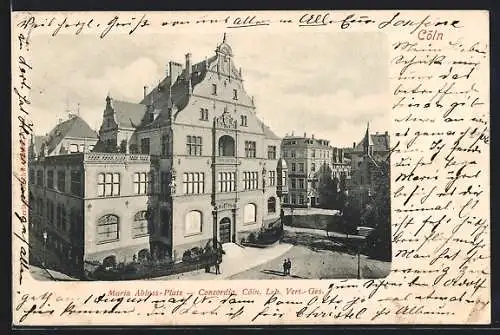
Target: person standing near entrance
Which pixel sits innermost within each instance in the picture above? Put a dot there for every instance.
(289, 265)
(219, 253)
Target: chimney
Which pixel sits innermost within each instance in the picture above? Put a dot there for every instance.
(188, 65)
(292, 133)
(305, 134)
(386, 132)
(175, 69)
(353, 145)
(312, 136)
(376, 133)
(145, 91)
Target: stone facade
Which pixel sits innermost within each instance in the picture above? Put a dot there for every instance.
(366, 156)
(310, 161)
(189, 164)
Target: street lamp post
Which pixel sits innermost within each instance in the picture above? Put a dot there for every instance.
(44, 247)
(359, 263)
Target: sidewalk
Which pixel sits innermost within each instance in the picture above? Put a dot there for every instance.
(311, 211)
(323, 233)
(41, 274)
(237, 259)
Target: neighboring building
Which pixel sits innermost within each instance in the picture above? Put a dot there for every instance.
(69, 136)
(189, 164)
(310, 162)
(365, 160)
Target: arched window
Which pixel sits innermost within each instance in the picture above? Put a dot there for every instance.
(226, 146)
(109, 262)
(107, 229)
(143, 255)
(140, 226)
(193, 223)
(250, 213)
(271, 205)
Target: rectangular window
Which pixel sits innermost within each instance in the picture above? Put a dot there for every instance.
(313, 167)
(272, 178)
(235, 94)
(250, 149)
(165, 149)
(194, 145)
(226, 182)
(285, 154)
(61, 181)
(164, 187)
(301, 167)
(294, 183)
(73, 148)
(294, 199)
(301, 183)
(204, 114)
(76, 182)
(81, 148)
(271, 152)
(251, 180)
(145, 146)
(214, 89)
(50, 179)
(193, 183)
(294, 167)
(301, 199)
(141, 181)
(292, 154)
(108, 184)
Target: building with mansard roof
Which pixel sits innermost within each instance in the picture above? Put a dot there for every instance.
(68, 136)
(189, 164)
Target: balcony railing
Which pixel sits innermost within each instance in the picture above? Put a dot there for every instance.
(116, 157)
(225, 160)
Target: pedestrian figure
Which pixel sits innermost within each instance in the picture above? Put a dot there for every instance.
(289, 266)
(217, 269)
(219, 253)
(285, 267)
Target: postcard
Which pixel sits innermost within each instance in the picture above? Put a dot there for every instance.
(250, 168)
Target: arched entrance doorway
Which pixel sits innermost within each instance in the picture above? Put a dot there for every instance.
(225, 230)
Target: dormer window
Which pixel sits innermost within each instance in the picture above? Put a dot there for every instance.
(214, 89)
(235, 94)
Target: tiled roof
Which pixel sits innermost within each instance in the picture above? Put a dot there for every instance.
(380, 142)
(164, 97)
(128, 114)
(74, 127)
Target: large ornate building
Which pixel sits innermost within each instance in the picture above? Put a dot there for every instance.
(189, 164)
(311, 162)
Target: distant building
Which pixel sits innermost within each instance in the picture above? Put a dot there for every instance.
(311, 162)
(366, 156)
(189, 164)
(68, 136)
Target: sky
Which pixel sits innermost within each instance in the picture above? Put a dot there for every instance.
(326, 84)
